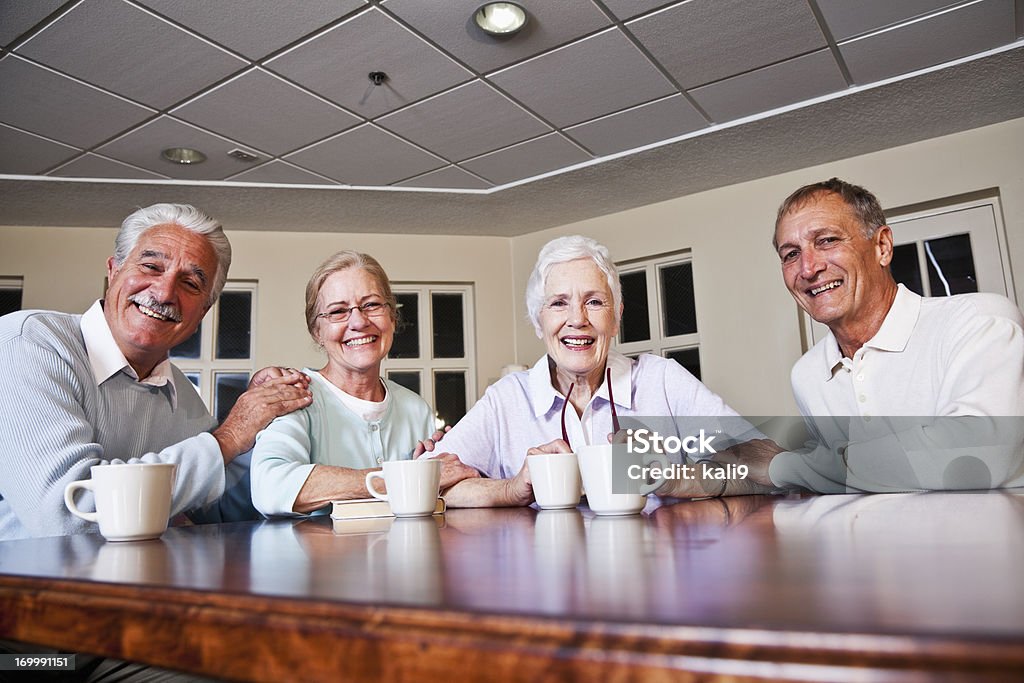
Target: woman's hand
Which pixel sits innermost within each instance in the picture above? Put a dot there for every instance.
(427, 445)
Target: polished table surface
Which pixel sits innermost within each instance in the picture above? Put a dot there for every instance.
(880, 587)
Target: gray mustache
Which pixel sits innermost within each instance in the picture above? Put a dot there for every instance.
(166, 310)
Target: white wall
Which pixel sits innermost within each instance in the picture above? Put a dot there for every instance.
(748, 322)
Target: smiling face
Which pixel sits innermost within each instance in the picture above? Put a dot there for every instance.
(156, 299)
(836, 273)
(356, 347)
(578, 320)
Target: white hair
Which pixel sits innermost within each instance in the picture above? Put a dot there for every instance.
(562, 250)
(184, 216)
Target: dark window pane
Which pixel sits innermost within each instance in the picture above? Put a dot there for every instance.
(688, 358)
(450, 396)
(410, 379)
(636, 322)
(951, 265)
(407, 333)
(905, 268)
(446, 315)
(234, 325)
(10, 300)
(190, 347)
(228, 387)
(193, 377)
(680, 311)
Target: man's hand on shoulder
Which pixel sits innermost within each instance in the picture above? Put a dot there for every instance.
(272, 392)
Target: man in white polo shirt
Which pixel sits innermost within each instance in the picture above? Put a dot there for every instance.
(905, 392)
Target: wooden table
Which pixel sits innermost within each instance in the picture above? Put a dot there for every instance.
(837, 588)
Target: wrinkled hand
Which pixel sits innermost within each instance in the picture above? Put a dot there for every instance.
(427, 445)
(273, 372)
(272, 397)
(756, 454)
(556, 446)
(454, 470)
(519, 489)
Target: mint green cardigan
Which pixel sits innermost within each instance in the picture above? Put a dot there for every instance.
(328, 433)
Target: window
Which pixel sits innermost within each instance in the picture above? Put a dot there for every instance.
(434, 349)
(659, 310)
(218, 358)
(10, 294)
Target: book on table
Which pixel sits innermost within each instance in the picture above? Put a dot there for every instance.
(368, 508)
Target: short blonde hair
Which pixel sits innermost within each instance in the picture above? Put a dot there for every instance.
(343, 260)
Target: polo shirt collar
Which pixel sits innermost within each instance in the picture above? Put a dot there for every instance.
(543, 395)
(893, 335)
(106, 358)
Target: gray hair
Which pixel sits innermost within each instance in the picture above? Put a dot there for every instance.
(343, 260)
(865, 206)
(184, 216)
(562, 250)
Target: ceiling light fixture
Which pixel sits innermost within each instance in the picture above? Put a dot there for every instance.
(500, 18)
(183, 155)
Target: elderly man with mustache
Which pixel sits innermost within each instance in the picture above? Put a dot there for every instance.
(81, 390)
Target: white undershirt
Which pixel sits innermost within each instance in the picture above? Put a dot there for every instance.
(371, 411)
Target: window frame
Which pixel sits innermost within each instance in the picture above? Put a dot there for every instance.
(14, 282)
(659, 344)
(207, 365)
(426, 364)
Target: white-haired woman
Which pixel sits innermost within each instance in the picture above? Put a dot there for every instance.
(357, 420)
(574, 301)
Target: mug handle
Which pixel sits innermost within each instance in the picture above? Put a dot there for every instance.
(370, 476)
(69, 500)
(662, 461)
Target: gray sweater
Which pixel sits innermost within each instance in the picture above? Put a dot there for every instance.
(55, 423)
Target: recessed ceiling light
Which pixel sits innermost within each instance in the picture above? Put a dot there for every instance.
(500, 18)
(183, 155)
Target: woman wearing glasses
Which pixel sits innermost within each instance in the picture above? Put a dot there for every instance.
(575, 391)
(357, 419)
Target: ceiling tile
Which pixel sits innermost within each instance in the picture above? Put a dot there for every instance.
(450, 23)
(527, 159)
(451, 177)
(947, 36)
(27, 154)
(846, 19)
(774, 86)
(93, 166)
(638, 126)
(18, 16)
(142, 147)
(122, 48)
(595, 76)
(42, 101)
(336, 63)
(254, 29)
(252, 107)
(627, 9)
(704, 40)
(489, 121)
(366, 156)
(277, 171)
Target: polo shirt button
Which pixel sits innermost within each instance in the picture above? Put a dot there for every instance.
(373, 427)
(380, 460)
(860, 377)
(863, 398)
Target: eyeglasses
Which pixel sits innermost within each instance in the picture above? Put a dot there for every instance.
(611, 402)
(371, 309)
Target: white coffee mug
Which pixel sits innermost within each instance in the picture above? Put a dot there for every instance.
(595, 463)
(413, 486)
(556, 480)
(133, 501)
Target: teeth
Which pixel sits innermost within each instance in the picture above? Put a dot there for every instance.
(824, 288)
(151, 313)
(577, 342)
(361, 341)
